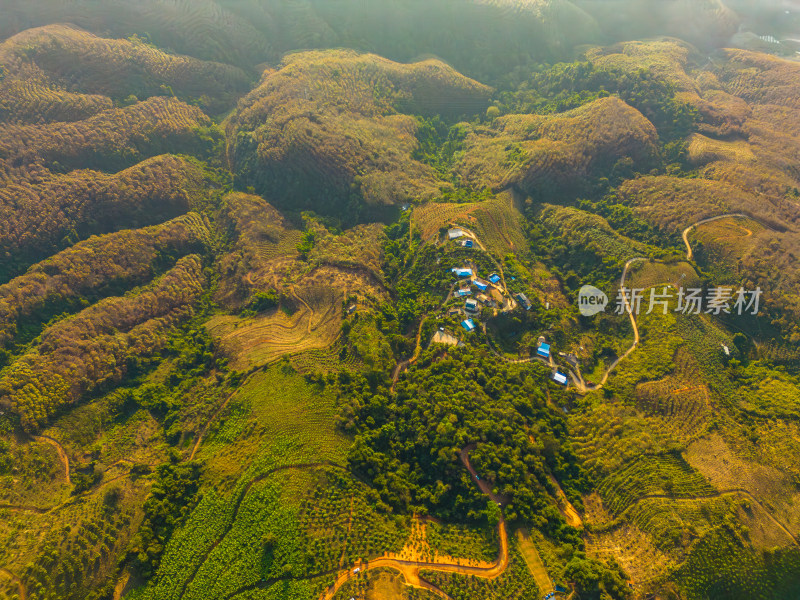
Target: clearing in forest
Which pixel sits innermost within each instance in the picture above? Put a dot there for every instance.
(534, 562)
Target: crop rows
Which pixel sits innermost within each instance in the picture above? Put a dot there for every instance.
(722, 565)
(515, 583)
(633, 549)
(666, 474)
(684, 407)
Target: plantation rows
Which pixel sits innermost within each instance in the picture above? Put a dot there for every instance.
(273, 538)
(674, 525)
(95, 265)
(634, 550)
(24, 100)
(460, 541)
(430, 216)
(684, 407)
(115, 138)
(499, 226)
(325, 360)
(665, 474)
(515, 583)
(77, 556)
(344, 525)
(722, 566)
(60, 210)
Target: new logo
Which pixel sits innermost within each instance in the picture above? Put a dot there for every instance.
(591, 301)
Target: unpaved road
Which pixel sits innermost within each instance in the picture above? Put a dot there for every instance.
(62, 455)
(411, 569)
(689, 251)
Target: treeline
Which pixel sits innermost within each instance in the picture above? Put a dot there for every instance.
(100, 344)
(565, 86)
(60, 210)
(98, 267)
(407, 443)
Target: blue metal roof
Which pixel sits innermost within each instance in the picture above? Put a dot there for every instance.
(494, 278)
(468, 324)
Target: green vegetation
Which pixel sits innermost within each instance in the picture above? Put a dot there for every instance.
(407, 442)
(222, 261)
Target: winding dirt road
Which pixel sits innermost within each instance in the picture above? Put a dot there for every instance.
(62, 455)
(211, 419)
(689, 251)
(411, 569)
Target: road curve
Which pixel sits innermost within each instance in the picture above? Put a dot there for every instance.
(411, 569)
(62, 455)
(685, 235)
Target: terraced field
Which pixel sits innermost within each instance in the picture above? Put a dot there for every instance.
(497, 222)
(667, 475)
(260, 340)
(633, 549)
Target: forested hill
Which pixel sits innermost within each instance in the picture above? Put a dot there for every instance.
(289, 300)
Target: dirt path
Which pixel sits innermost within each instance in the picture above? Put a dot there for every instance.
(234, 514)
(411, 569)
(403, 365)
(23, 592)
(62, 455)
(122, 583)
(565, 506)
(685, 235)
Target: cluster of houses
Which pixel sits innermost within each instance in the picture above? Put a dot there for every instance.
(488, 293)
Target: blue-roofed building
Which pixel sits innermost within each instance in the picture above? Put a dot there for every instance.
(494, 278)
(468, 244)
(468, 325)
(461, 273)
(480, 284)
(560, 378)
(464, 292)
(543, 350)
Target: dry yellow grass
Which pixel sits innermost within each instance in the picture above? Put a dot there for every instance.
(429, 217)
(703, 150)
(534, 562)
(735, 236)
(774, 489)
(650, 274)
(633, 550)
(543, 154)
(256, 341)
(497, 222)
